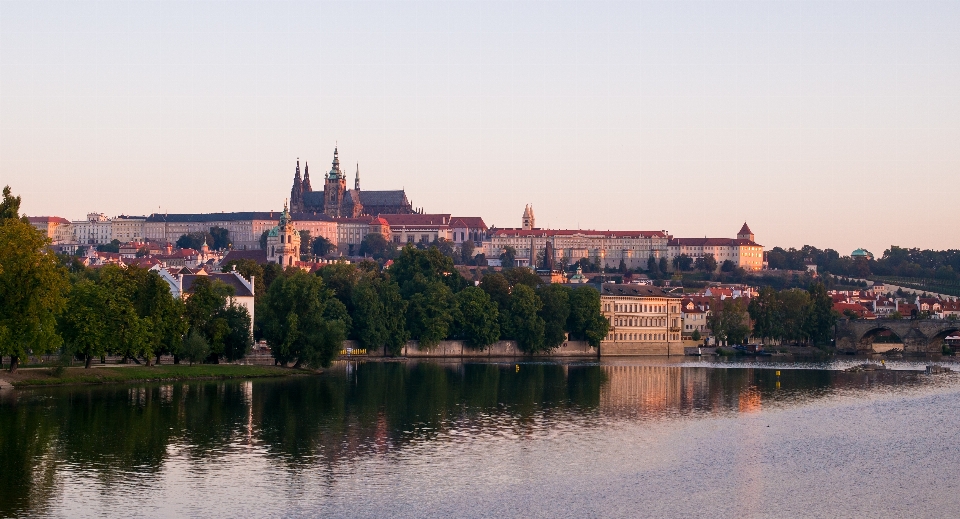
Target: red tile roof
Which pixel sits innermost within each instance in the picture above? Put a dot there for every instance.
(573, 232)
(47, 219)
(416, 219)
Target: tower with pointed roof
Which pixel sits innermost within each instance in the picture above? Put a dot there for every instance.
(306, 180)
(529, 222)
(356, 181)
(334, 188)
(296, 192)
(745, 233)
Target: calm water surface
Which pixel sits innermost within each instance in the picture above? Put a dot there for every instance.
(645, 438)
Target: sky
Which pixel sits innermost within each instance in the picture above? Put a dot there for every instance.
(833, 123)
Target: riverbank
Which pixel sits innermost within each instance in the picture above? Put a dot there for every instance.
(43, 377)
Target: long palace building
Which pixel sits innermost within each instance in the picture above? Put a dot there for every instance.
(634, 248)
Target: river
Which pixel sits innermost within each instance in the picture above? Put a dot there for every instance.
(638, 438)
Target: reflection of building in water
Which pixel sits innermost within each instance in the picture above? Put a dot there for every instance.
(750, 400)
(644, 389)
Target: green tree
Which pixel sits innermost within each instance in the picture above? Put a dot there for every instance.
(161, 312)
(33, 288)
(696, 335)
(477, 318)
(83, 324)
(663, 265)
(430, 313)
(729, 321)
(195, 240)
(263, 239)
(508, 258)
(555, 313)
(523, 322)
(586, 321)
(682, 263)
(304, 322)
(369, 324)
(113, 246)
(498, 288)
(765, 311)
(522, 276)
(305, 242)
(394, 316)
(320, 246)
(220, 238)
(652, 268)
(706, 263)
(10, 206)
(224, 325)
(822, 317)
(728, 266)
(195, 347)
(467, 252)
(377, 247)
(430, 263)
(794, 312)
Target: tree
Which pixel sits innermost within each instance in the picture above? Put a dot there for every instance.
(729, 321)
(663, 264)
(498, 288)
(224, 325)
(523, 322)
(304, 322)
(822, 317)
(394, 316)
(728, 266)
(622, 267)
(320, 246)
(477, 318)
(251, 270)
(305, 243)
(10, 206)
(696, 335)
(586, 321)
(430, 313)
(32, 287)
(83, 324)
(794, 311)
(765, 312)
(369, 324)
(195, 347)
(127, 334)
(430, 263)
(444, 246)
(652, 268)
(377, 247)
(682, 263)
(706, 263)
(555, 313)
(220, 238)
(195, 240)
(522, 276)
(113, 246)
(162, 313)
(467, 249)
(263, 240)
(508, 258)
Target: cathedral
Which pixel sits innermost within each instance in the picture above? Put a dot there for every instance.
(339, 202)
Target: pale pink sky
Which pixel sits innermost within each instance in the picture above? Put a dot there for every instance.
(830, 123)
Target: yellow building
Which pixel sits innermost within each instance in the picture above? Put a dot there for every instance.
(742, 251)
(644, 320)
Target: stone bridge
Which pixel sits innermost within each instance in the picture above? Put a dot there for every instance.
(918, 335)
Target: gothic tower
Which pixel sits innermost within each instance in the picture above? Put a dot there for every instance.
(356, 182)
(296, 192)
(306, 178)
(334, 188)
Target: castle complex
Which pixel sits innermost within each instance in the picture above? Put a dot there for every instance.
(339, 202)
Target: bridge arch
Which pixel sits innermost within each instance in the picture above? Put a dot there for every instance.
(937, 340)
(879, 339)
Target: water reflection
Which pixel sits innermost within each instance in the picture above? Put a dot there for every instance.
(121, 437)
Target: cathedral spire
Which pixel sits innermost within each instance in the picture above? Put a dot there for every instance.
(306, 178)
(356, 182)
